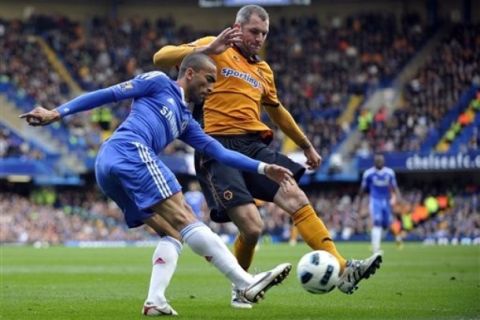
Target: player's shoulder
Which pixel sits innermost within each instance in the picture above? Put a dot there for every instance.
(369, 171)
(389, 171)
(264, 67)
(153, 75)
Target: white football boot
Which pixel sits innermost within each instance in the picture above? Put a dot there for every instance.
(356, 270)
(239, 301)
(262, 282)
(150, 309)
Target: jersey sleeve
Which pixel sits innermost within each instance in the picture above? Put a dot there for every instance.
(270, 97)
(170, 55)
(194, 136)
(200, 141)
(200, 42)
(143, 85)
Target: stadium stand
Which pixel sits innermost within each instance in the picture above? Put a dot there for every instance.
(325, 70)
(55, 217)
(433, 98)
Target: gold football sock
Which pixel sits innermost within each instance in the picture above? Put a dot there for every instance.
(243, 252)
(314, 233)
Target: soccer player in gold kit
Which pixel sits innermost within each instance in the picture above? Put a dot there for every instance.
(245, 85)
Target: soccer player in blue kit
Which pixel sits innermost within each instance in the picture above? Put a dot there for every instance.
(129, 172)
(379, 181)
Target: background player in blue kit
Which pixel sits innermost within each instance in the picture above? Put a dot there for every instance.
(379, 181)
(130, 173)
(196, 200)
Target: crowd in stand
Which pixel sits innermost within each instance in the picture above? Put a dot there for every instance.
(317, 65)
(13, 146)
(450, 70)
(54, 221)
(84, 215)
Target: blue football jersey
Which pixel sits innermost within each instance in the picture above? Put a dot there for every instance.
(379, 182)
(159, 113)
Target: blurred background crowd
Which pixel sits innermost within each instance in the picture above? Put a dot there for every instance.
(322, 68)
(55, 217)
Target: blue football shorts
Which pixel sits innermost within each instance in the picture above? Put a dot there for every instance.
(132, 175)
(380, 212)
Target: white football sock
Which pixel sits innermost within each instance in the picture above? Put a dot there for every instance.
(209, 245)
(376, 238)
(164, 262)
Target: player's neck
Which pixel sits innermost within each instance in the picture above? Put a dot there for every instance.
(184, 93)
(252, 58)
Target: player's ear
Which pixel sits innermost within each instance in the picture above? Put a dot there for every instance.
(189, 73)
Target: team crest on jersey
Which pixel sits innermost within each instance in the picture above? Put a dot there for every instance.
(125, 86)
(227, 72)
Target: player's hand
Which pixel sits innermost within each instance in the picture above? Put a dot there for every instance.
(277, 173)
(226, 39)
(40, 116)
(313, 158)
(288, 185)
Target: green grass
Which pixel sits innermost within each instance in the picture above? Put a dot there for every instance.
(418, 282)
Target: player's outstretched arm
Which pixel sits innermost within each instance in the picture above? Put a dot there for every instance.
(194, 136)
(284, 120)
(239, 161)
(170, 55)
(40, 116)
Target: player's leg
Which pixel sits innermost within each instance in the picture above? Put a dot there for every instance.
(229, 200)
(291, 199)
(156, 191)
(250, 225)
(387, 219)
(377, 224)
(114, 170)
(207, 244)
(164, 263)
(312, 229)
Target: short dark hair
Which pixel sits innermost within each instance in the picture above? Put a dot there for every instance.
(197, 61)
(245, 12)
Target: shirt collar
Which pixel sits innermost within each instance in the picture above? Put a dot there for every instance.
(251, 59)
(182, 94)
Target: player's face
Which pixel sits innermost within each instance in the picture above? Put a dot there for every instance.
(254, 34)
(201, 84)
(379, 161)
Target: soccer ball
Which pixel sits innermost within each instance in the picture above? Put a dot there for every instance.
(318, 272)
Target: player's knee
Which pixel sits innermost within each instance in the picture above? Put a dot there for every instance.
(293, 200)
(183, 218)
(252, 232)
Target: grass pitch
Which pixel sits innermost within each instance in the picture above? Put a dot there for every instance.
(418, 282)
